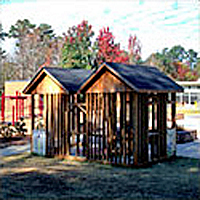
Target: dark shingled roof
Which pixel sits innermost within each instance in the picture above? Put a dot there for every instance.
(71, 79)
(68, 78)
(145, 77)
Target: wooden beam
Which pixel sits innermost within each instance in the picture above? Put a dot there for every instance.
(107, 127)
(104, 120)
(47, 121)
(99, 126)
(87, 126)
(135, 127)
(173, 95)
(130, 130)
(32, 119)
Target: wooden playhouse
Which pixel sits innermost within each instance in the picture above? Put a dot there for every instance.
(116, 114)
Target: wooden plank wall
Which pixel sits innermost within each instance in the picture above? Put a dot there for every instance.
(110, 136)
(65, 135)
(116, 128)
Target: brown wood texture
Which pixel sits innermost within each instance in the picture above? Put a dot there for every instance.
(108, 83)
(47, 86)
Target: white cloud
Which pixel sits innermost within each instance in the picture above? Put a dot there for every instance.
(157, 24)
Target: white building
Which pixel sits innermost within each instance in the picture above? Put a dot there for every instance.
(191, 92)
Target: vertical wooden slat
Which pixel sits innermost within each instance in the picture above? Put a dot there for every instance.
(64, 123)
(87, 126)
(114, 125)
(110, 129)
(104, 119)
(32, 119)
(124, 127)
(99, 126)
(76, 124)
(58, 124)
(163, 126)
(52, 127)
(107, 129)
(95, 126)
(136, 126)
(130, 130)
(121, 127)
(47, 122)
(146, 125)
(173, 98)
(92, 125)
(159, 111)
(67, 101)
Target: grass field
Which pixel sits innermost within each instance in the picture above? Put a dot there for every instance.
(30, 177)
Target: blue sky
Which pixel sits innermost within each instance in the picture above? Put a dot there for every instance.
(157, 23)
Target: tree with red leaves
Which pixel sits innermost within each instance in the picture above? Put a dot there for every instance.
(184, 73)
(107, 50)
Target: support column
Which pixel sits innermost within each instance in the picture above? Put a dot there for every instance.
(32, 119)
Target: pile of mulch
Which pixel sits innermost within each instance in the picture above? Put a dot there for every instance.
(15, 140)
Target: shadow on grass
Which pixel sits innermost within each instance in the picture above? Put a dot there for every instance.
(45, 178)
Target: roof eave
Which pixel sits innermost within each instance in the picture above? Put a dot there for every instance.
(26, 90)
(112, 71)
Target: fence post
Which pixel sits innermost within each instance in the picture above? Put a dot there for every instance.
(13, 115)
(20, 105)
(17, 105)
(3, 107)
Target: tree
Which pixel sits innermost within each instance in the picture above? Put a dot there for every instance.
(34, 46)
(134, 47)
(177, 62)
(3, 35)
(107, 50)
(184, 73)
(77, 50)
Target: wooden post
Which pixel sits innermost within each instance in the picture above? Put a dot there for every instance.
(158, 124)
(107, 129)
(47, 122)
(99, 125)
(52, 127)
(114, 124)
(95, 120)
(104, 119)
(173, 110)
(67, 99)
(135, 127)
(91, 124)
(32, 119)
(87, 126)
(130, 130)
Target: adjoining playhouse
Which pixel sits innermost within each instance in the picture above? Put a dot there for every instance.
(117, 114)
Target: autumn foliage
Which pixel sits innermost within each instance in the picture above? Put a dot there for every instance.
(108, 51)
(184, 73)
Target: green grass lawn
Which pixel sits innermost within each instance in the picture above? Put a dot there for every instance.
(30, 177)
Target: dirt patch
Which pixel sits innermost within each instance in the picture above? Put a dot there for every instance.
(30, 177)
(16, 140)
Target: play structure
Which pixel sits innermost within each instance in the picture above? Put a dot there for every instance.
(116, 114)
(15, 109)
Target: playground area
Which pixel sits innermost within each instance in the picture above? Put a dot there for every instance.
(15, 110)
